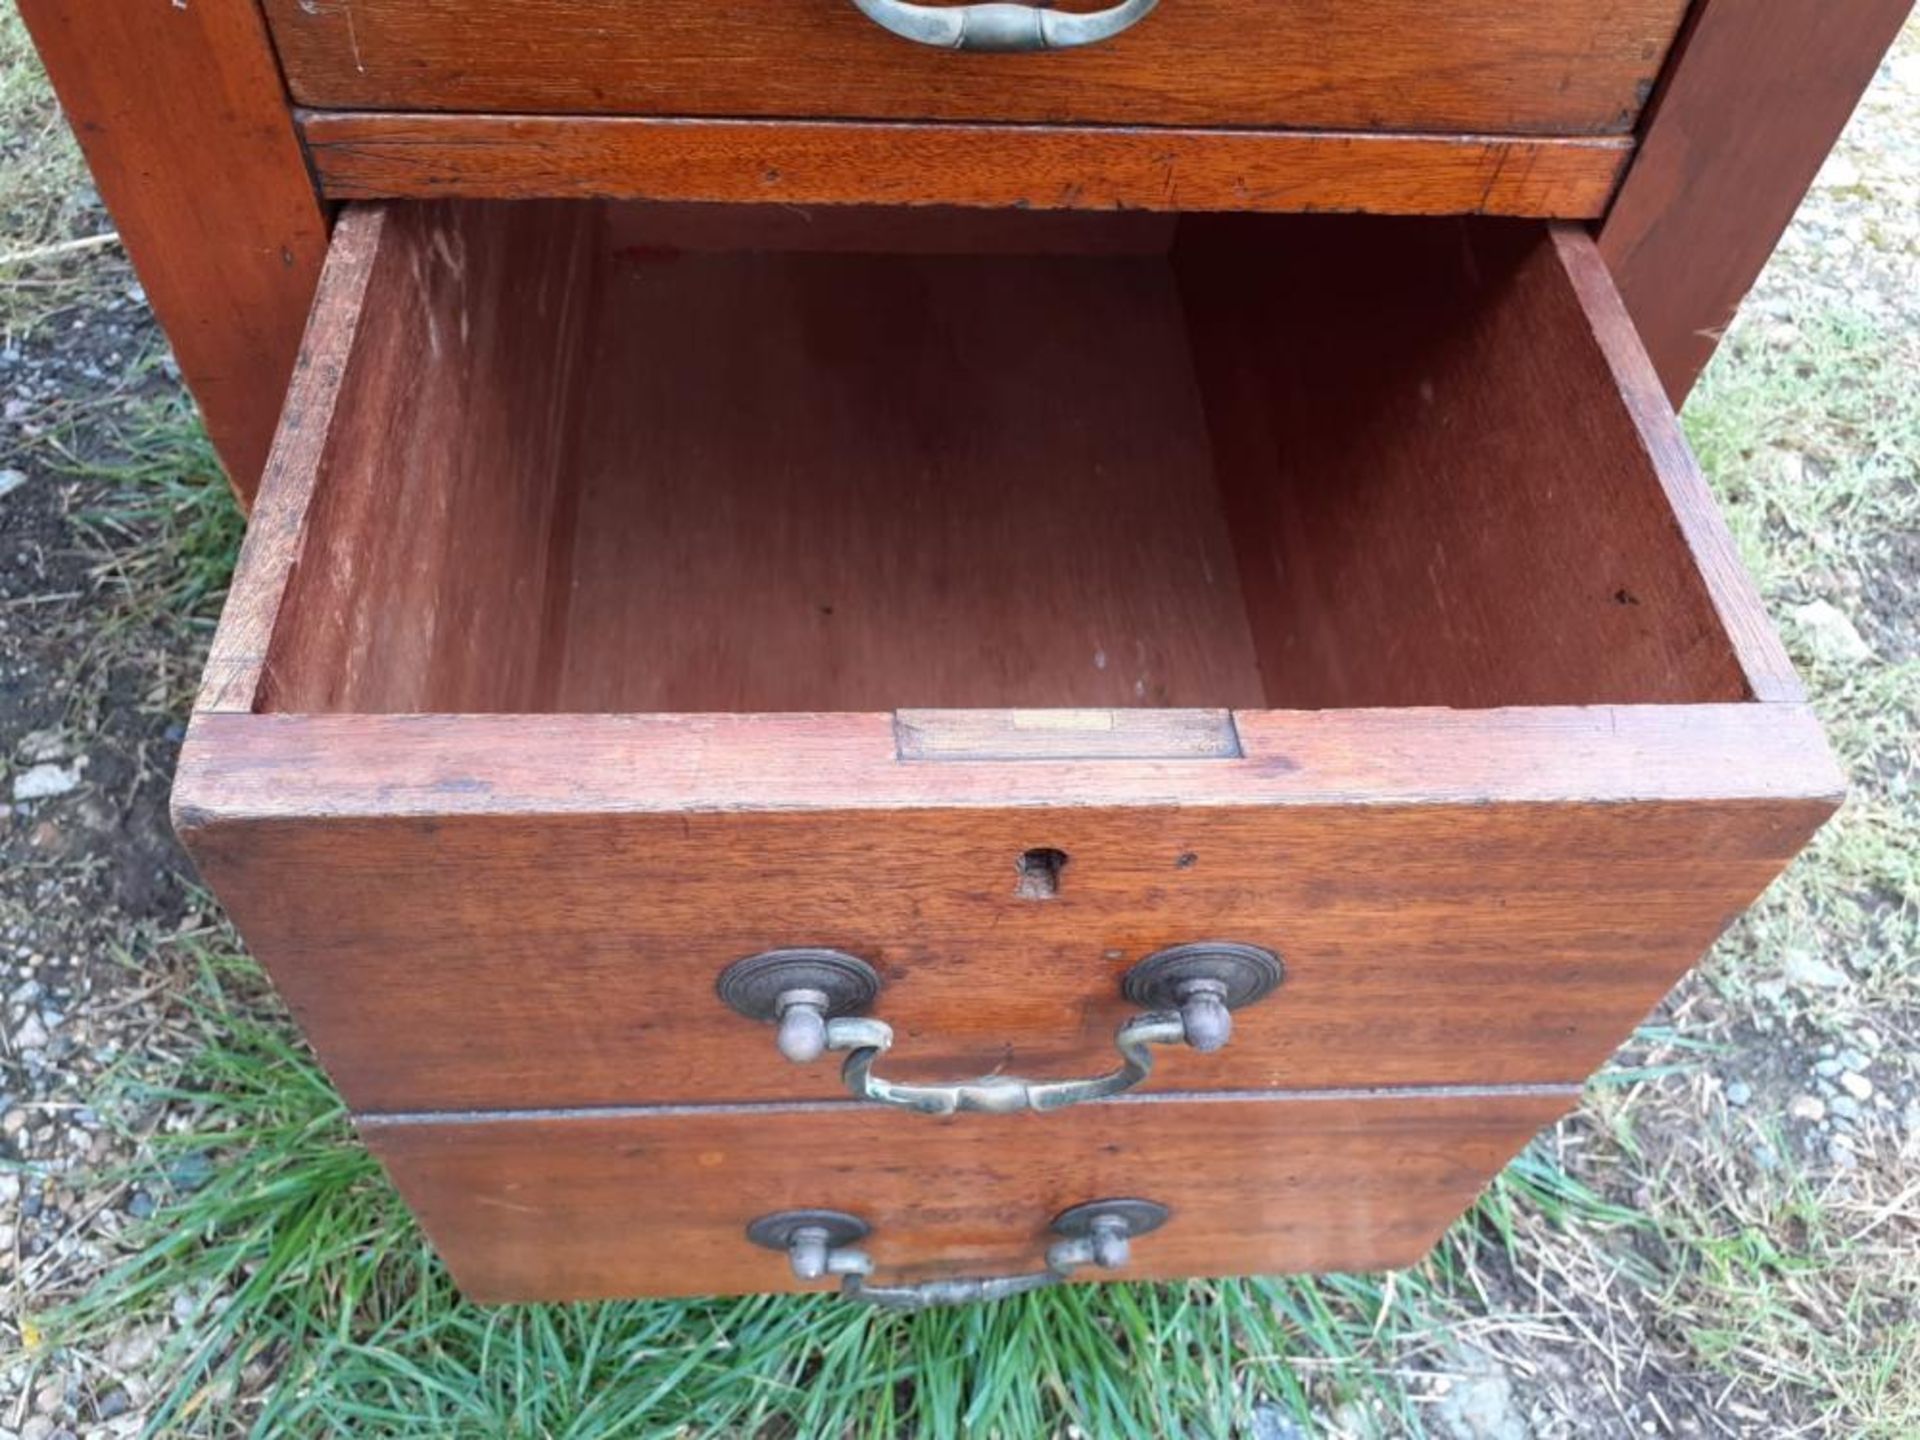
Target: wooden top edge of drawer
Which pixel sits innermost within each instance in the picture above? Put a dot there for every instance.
(370, 155)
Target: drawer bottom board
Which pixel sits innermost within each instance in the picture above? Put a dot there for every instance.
(587, 1204)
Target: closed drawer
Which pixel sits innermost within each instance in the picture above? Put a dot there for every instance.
(633, 591)
(602, 1204)
(1497, 66)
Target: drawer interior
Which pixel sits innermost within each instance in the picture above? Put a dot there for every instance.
(623, 458)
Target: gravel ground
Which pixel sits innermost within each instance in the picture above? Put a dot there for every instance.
(99, 918)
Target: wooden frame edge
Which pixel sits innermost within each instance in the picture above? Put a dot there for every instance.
(373, 154)
(240, 768)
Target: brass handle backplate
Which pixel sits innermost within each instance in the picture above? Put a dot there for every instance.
(1002, 27)
(820, 1243)
(816, 998)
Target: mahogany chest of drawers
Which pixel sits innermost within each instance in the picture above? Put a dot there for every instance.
(876, 656)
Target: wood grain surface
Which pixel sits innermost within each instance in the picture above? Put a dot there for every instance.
(862, 481)
(599, 1204)
(517, 909)
(1546, 67)
(1451, 475)
(1755, 99)
(366, 156)
(180, 112)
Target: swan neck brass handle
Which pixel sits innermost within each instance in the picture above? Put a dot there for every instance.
(1002, 27)
(815, 998)
(822, 1243)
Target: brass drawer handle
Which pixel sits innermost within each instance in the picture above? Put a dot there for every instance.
(1002, 27)
(819, 1243)
(817, 996)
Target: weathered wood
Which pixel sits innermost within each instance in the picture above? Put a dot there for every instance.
(371, 156)
(1752, 104)
(597, 1204)
(180, 112)
(1545, 67)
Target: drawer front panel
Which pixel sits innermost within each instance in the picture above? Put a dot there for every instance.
(526, 957)
(1498, 66)
(589, 1205)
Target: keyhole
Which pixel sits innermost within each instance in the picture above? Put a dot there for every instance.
(1040, 873)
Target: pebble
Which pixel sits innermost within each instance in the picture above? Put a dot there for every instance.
(1827, 1069)
(1810, 971)
(10, 481)
(1830, 635)
(1853, 1060)
(30, 1034)
(190, 1172)
(1766, 1157)
(1807, 1107)
(140, 1205)
(1739, 1092)
(1858, 1086)
(1844, 1107)
(47, 782)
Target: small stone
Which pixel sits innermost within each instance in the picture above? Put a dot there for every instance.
(37, 1427)
(133, 1349)
(190, 1172)
(1271, 1422)
(30, 1034)
(1858, 1086)
(1844, 1107)
(140, 1205)
(1827, 1069)
(1853, 1060)
(1840, 1154)
(1739, 1092)
(10, 481)
(1810, 1108)
(1811, 972)
(47, 782)
(41, 745)
(112, 1404)
(1830, 635)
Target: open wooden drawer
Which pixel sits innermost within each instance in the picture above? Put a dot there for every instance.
(998, 599)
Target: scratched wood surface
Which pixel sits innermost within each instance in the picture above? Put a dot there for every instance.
(595, 1205)
(367, 156)
(519, 908)
(1546, 67)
